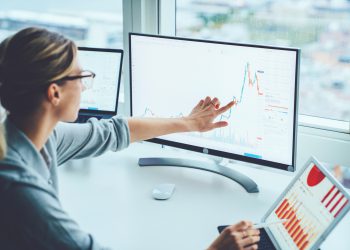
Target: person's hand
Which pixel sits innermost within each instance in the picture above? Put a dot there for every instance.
(204, 113)
(241, 236)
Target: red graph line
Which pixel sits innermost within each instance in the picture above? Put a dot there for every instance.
(251, 82)
(254, 81)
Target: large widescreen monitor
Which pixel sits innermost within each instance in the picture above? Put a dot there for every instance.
(169, 75)
(102, 99)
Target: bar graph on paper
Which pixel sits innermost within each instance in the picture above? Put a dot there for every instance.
(299, 226)
(310, 206)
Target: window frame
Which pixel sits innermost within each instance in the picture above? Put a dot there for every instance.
(316, 135)
(169, 28)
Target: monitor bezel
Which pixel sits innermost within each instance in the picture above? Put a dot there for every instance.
(92, 112)
(209, 151)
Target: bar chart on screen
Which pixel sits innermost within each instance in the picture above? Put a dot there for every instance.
(309, 206)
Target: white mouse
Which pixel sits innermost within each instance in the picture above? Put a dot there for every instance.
(163, 191)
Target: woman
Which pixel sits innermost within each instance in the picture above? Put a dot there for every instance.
(41, 82)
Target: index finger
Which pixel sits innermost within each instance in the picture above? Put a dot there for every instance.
(252, 232)
(226, 107)
(243, 225)
(249, 241)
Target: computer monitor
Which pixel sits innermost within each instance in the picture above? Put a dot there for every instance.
(169, 75)
(101, 100)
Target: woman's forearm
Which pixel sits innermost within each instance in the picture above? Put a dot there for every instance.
(147, 128)
(201, 119)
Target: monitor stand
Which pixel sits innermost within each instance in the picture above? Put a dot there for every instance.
(247, 183)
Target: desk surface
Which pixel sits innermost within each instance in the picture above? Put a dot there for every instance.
(110, 197)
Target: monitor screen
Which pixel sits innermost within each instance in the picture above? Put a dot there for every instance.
(169, 75)
(106, 64)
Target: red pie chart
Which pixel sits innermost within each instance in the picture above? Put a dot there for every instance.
(315, 176)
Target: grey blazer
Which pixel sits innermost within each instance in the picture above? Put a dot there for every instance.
(31, 215)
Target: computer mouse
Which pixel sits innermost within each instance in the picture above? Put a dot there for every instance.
(163, 191)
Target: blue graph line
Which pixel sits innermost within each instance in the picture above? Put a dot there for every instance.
(255, 81)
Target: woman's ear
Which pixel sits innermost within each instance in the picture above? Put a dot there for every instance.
(54, 94)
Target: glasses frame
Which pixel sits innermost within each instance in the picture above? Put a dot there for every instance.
(28, 90)
(74, 77)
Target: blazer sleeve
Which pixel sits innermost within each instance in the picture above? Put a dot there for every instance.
(75, 141)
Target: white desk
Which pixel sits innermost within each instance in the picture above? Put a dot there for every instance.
(110, 197)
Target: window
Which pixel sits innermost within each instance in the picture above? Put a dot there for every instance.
(319, 28)
(91, 23)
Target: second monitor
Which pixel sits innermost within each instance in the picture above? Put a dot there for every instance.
(101, 100)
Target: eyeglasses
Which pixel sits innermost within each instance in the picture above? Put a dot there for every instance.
(86, 76)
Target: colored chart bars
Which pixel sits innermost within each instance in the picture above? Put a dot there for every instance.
(300, 227)
(334, 201)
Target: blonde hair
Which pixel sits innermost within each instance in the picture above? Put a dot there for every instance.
(2, 142)
(30, 60)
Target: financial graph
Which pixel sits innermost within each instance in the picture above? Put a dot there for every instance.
(309, 207)
(231, 135)
(169, 78)
(247, 79)
(106, 66)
